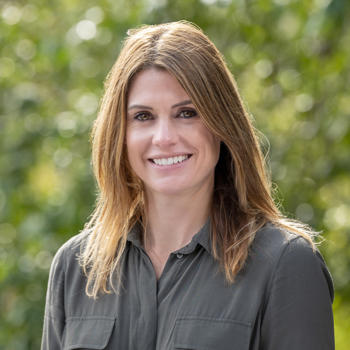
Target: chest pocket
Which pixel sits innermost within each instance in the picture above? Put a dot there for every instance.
(88, 332)
(200, 333)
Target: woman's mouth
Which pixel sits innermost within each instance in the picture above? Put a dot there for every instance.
(171, 160)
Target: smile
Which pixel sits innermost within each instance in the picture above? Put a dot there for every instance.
(171, 160)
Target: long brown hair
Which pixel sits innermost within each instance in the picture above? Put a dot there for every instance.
(242, 201)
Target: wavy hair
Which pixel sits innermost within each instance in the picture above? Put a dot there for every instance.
(242, 202)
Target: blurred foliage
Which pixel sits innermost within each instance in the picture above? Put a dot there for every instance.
(290, 59)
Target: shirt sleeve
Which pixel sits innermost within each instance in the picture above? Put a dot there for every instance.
(54, 318)
(298, 314)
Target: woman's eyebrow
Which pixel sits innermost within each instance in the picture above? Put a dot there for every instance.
(182, 103)
(138, 106)
(186, 102)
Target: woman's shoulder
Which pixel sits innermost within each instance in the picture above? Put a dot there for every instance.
(273, 246)
(70, 250)
(272, 240)
(285, 253)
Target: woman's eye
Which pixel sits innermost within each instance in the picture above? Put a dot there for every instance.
(142, 116)
(188, 113)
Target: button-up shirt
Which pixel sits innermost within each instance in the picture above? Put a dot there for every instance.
(280, 300)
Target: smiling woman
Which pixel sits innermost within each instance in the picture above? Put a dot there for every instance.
(169, 148)
(186, 248)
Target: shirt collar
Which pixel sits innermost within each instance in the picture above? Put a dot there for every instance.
(135, 235)
(202, 237)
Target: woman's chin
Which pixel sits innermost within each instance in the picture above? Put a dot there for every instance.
(167, 190)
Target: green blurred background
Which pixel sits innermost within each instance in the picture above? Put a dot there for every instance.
(291, 61)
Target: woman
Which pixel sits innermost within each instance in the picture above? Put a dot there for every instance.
(186, 248)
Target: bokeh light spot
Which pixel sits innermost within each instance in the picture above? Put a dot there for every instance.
(95, 14)
(263, 68)
(26, 263)
(281, 2)
(87, 104)
(44, 180)
(72, 37)
(338, 217)
(86, 29)
(241, 53)
(11, 14)
(66, 124)
(26, 91)
(289, 79)
(62, 157)
(43, 259)
(304, 212)
(30, 13)
(288, 25)
(338, 128)
(321, 4)
(304, 103)
(209, 2)
(25, 49)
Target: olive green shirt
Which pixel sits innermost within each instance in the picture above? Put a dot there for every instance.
(281, 300)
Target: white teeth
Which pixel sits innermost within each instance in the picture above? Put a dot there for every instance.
(170, 161)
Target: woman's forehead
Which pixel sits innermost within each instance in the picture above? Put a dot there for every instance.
(154, 84)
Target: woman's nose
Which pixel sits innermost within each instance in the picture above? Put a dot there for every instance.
(165, 132)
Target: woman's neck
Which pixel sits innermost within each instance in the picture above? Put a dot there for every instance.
(174, 220)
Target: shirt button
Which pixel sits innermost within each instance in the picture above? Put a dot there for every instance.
(179, 255)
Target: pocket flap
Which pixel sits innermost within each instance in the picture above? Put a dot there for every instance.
(211, 334)
(88, 332)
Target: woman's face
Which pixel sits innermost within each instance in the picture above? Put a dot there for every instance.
(168, 146)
